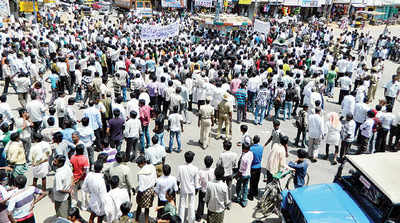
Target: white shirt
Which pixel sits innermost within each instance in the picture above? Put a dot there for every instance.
(118, 196)
(315, 126)
(228, 160)
(132, 105)
(392, 89)
(245, 163)
(345, 83)
(175, 120)
(188, 176)
(360, 112)
(217, 196)
(5, 110)
(366, 128)
(163, 184)
(94, 185)
(132, 128)
(155, 154)
(146, 177)
(348, 105)
(22, 84)
(387, 119)
(205, 176)
(62, 181)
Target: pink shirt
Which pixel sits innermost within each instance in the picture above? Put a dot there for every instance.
(144, 113)
(235, 83)
(245, 163)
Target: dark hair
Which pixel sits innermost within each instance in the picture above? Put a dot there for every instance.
(219, 173)
(189, 156)
(227, 145)
(52, 110)
(60, 159)
(245, 146)
(37, 137)
(3, 98)
(171, 193)
(208, 161)
(74, 212)
(276, 123)
(120, 156)
(154, 139)
(166, 170)
(102, 157)
(98, 166)
(14, 136)
(116, 113)
(20, 181)
(51, 121)
(125, 208)
(133, 114)
(256, 139)
(79, 149)
(244, 128)
(106, 143)
(58, 137)
(114, 182)
(85, 121)
(301, 153)
(21, 111)
(284, 140)
(141, 160)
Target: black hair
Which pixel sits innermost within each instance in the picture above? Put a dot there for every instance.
(120, 156)
(154, 139)
(244, 128)
(166, 170)
(116, 113)
(219, 172)
(114, 182)
(85, 121)
(58, 137)
(37, 137)
(20, 181)
(208, 161)
(189, 156)
(98, 166)
(141, 160)
(276, 123)
(302, 154)
(125, 208)
(227, 145)
(284, 140)
(256, 139)
(79, 149)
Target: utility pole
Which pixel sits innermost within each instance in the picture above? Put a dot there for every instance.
(34, 11)
(217, 8)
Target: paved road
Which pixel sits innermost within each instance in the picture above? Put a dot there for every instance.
(320, 172)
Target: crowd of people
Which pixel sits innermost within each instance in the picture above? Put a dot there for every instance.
(89, 89)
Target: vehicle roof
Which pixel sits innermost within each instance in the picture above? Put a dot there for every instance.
(381, 169)
(327, 203)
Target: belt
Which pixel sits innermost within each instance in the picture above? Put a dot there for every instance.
(205, 118)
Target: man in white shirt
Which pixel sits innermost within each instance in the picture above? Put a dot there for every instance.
(242, 183)
(5, 110)
(394, 132)
(316, 130)
(163, 184)
(228, 160)
(360, 112)
(23, 84)
(345, 83)
(366, 132)
(348, 105)
(118, 196)
(155, 155)
(175, 126)
(217, 197)
(63, 181)
(188, 178)
(387, 118)
(392, 90)
(132, 131)
(36, 111)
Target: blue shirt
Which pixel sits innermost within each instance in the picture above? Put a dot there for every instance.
(67, 134)
(257, 150)
(301, 171)
(53, 80)
(94, 118)
(241, 96)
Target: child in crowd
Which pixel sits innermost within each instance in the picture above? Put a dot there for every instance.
(245, 136)
(127, 216)
(170, 213)
(300, 166)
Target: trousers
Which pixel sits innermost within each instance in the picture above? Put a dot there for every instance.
(221, 120)
(205, 130)
(313, 147)
(186, 200)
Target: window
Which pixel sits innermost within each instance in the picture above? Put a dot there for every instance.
(294, 211)
(395, 214)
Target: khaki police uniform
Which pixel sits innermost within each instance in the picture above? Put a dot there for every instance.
(224, 111)
(206, 113)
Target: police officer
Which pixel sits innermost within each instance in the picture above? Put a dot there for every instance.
(206, 121)
(224, 116)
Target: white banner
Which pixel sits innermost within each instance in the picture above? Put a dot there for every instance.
(173, 3)
(149, 32)
(262, 27)
(4, 9)
(204, 3)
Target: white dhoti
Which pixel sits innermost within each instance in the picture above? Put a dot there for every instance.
(41, 170)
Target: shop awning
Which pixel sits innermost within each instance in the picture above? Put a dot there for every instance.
(373, 13)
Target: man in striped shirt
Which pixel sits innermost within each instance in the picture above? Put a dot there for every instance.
(21, 204)
(241, 99)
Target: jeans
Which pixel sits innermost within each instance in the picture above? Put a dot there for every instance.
(240, 112)
(161, 138)
(124, 93)
(171, 140)
(242, 189)
(78, 96)
(288, 106)
(131, 147)
(252, 98)
(146, 135)
(329, 89)
(259, 110)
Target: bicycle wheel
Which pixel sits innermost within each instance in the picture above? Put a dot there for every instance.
(290, 182)
(267, 205)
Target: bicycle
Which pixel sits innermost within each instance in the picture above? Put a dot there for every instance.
(270, 201)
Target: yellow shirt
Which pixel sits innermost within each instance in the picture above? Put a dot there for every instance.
(15, 153)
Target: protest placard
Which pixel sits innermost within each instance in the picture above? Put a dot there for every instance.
(151, 32)
(261, 27)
